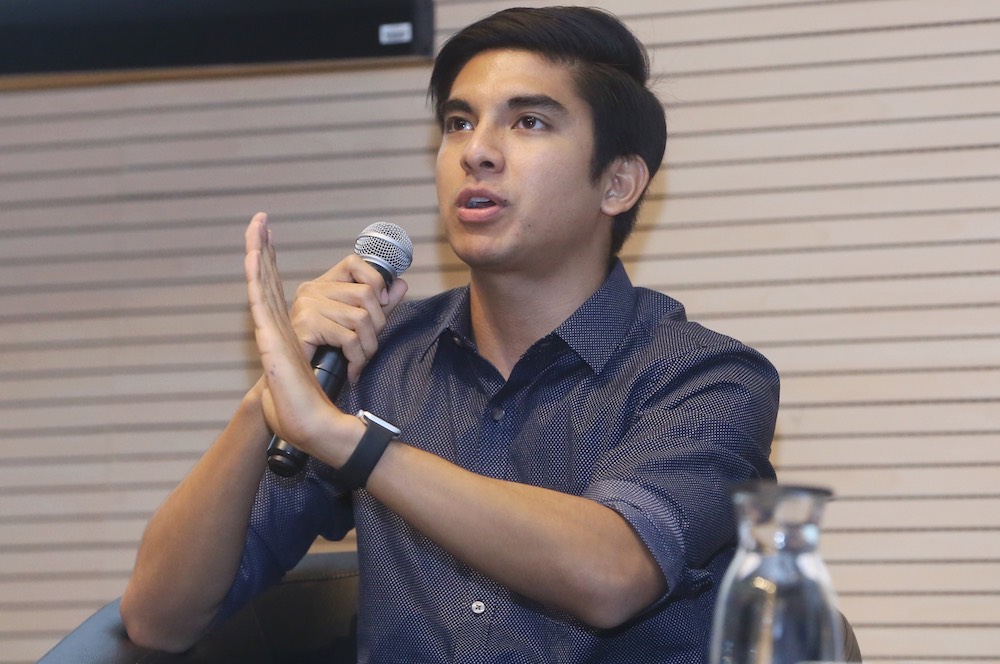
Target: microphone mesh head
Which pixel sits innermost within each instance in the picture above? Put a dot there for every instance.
(387, 245)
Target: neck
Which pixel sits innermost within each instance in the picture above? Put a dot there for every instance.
(512, 312)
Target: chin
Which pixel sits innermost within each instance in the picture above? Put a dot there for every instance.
(483, 258)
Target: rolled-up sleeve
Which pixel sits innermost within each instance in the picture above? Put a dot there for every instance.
(705, 425)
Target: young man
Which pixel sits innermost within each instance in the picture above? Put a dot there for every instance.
(559, 489)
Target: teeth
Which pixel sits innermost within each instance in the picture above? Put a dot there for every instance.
(479, 202)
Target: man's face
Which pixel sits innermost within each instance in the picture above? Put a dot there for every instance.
(513, 169)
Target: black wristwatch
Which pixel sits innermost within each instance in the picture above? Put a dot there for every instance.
(379, 433)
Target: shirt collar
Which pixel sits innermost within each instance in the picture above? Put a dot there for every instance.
(456, 319)
(598, 327)
(593, 331)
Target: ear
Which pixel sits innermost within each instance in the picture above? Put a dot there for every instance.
(624, 182)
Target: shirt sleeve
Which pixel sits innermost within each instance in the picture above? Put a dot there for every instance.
(288, 515)
(705, 425)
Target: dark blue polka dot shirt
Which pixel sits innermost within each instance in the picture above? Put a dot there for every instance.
(625, 403)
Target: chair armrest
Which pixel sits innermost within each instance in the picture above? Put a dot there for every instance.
(101, 639)
(311, 615)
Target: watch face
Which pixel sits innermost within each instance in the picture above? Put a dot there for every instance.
(375, 419)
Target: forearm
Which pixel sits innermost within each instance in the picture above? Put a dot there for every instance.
(564, 551)
(193, 544)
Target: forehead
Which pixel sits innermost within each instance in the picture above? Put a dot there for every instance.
(509, 73)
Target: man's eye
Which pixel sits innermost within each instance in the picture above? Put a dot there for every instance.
(457, 124)
(530, 122)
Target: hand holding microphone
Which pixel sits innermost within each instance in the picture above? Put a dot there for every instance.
(382, 245)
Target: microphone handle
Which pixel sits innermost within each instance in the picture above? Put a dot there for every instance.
(330, 368)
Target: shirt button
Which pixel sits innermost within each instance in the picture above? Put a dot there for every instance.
(497, 413)
(478, 607)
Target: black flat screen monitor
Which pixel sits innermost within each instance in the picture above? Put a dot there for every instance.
(68, 36)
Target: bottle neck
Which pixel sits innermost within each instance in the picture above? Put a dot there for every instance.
(775, 518)
(769, 537)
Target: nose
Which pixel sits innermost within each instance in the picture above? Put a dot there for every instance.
(483, 151)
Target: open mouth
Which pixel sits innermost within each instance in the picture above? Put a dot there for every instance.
(479, 203)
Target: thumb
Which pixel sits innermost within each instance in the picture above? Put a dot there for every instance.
(394, 295)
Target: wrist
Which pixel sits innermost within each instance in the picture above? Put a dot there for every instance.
(350, 432)
(255, 395)
(377, 435)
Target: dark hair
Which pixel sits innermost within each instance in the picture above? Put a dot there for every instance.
(610, 68)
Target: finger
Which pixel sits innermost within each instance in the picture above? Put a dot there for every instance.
(330, 315)
(346, 315)
(362, 341)
(367, 336)
(397, 291)
(354, 269)
(255, 243)
(274, 290)
(267, 298)
(292, 398)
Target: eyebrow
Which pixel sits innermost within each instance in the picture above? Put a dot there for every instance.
(544, 102)
(454, 105)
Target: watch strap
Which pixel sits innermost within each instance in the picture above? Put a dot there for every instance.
(378, 434)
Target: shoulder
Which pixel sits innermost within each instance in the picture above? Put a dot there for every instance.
(671, 345)
(664, 320)
(687, 376)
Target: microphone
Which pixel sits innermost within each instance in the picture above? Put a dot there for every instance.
(388, 249)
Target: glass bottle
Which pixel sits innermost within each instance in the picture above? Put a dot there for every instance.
(776, 602)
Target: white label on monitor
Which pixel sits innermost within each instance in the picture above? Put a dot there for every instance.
(395, 33)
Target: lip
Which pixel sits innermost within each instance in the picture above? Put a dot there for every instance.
(479, 215)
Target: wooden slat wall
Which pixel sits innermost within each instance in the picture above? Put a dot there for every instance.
(832, 197)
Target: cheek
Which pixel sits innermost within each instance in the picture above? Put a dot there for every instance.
(564, 186)
(441, 177)
(439, 161)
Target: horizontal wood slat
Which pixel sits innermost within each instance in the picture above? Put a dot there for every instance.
(719, 20)
(857, 481)
(855, 581)
(914, 515)
(903, 450)
(908, 42)
(942, 611)
(930, 643)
